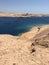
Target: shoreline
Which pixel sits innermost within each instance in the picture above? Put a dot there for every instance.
(11, 14)
(33, 31)
(28, 49)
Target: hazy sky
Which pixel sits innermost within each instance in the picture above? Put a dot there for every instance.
(25, 6)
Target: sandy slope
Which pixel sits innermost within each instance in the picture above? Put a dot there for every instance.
(35, 31)
(32, 48)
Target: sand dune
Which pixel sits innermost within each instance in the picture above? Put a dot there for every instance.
(32, 48)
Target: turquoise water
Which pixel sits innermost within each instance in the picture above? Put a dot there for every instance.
(19, 25)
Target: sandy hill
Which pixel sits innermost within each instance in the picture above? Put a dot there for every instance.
(6, 14)
(32, 48)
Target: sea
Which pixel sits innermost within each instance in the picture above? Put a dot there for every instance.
(19, 25)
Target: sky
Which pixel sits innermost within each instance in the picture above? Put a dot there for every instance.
(25, 6)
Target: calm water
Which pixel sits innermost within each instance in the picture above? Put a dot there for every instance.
(19, 25)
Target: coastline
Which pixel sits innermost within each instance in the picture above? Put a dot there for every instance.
(31, 33)
(28, 49)
(34, 31)
(11, 14)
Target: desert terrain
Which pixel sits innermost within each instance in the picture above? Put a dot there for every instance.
(31, 48)
(7, 14)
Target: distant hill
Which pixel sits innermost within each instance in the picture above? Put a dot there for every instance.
(20, 15)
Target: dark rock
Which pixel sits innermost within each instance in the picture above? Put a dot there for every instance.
(14, 64)
(33, 50)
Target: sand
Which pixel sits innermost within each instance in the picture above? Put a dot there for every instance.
(11, 14)
(31, 48)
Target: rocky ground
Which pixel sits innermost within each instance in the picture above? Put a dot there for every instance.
(31, 48)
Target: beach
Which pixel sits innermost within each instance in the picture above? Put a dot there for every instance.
(30, 48)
